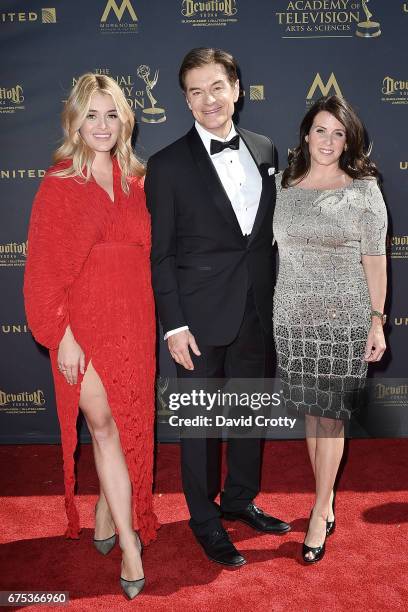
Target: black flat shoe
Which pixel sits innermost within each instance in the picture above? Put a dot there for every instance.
(258, 519)
(219, 548)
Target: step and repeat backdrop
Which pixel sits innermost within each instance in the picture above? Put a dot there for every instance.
(290, 53)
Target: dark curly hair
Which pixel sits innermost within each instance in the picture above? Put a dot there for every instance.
(354, 161)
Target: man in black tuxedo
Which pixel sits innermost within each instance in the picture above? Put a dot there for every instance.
(211, 196)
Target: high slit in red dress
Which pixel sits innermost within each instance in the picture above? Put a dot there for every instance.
(88, 266)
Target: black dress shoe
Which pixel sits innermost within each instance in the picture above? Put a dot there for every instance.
(219, 548)
(258, 519)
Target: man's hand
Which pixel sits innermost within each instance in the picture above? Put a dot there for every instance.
(179, 344)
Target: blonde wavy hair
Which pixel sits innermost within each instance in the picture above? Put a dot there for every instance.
(74, 114)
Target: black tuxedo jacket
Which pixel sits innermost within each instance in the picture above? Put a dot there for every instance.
(202, 266)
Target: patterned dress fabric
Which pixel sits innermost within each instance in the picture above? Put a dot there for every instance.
(321, 302)
(89, 265)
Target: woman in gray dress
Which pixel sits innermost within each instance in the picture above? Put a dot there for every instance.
(330, 225)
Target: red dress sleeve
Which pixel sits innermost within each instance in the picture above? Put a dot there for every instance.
(146, 229)
(59, 242)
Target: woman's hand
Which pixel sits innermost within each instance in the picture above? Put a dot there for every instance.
(70, 358)
(375, 345)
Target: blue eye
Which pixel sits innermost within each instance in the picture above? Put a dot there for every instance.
(113, 116)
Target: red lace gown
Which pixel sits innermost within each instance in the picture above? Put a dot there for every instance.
(88, 265)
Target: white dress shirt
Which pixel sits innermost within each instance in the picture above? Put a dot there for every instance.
(241, 180)
(239, 176)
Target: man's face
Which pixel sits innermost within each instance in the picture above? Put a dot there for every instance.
(211, 97)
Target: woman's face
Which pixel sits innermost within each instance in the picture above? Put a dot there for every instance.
(101, 127)
(326, 139)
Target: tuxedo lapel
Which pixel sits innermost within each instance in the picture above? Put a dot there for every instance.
(268, 182)
(211, 178)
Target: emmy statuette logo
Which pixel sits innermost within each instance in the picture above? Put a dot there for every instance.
(162, 385)
(368, 28)
(152, 114)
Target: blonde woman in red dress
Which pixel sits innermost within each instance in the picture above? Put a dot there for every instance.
(89, 300)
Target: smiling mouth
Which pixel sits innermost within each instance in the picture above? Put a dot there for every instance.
(212, 112)
(326, 151)
(102, 136)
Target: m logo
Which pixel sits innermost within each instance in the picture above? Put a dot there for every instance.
(119, 11)
(325, 89)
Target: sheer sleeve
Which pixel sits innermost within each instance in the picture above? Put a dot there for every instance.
(373, 221)
(58, 245)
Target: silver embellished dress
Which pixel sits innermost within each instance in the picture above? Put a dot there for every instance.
(321, 302)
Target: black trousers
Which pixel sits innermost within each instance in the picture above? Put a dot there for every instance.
(248, 356)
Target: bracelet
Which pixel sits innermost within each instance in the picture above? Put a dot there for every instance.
(380, 315)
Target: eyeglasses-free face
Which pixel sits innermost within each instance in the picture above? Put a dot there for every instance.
(211, 98)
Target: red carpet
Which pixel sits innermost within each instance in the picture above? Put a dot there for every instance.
(365, 568)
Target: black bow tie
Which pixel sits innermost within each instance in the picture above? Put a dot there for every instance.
(217, 145)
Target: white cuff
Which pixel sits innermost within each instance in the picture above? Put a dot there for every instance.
(174, 331)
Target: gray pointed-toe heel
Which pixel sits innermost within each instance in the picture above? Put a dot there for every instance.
(132, 588)
(105, 546)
